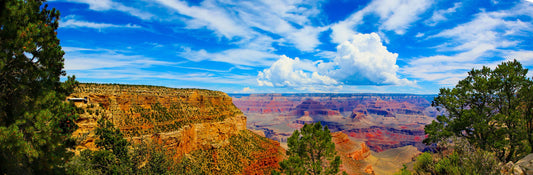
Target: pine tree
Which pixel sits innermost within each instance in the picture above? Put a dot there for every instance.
(311, 151)
(35, 122)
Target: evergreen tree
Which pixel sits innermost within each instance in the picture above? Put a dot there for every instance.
(35, 122)
(490, 108)
(311, 152)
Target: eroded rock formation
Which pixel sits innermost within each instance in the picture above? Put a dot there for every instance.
(382, 121)
(357, 158)
(183, 120)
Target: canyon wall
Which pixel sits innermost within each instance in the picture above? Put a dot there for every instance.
(183, 120)
(382, 121)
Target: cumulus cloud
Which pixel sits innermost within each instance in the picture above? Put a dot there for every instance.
(362, 60)
(287, 72)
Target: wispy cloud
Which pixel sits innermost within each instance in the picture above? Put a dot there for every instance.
(241, 57)
(477, 42)
(74, 23)
(106, 5)
(442, 15)
(88, 59)
(239, 21)
(394, 16)
(210, 16)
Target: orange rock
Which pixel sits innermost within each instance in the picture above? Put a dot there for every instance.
(361, 154)
(369, 169)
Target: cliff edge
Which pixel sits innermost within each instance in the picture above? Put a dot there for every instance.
(186, 121)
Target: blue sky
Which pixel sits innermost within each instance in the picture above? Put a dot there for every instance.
(291, 46)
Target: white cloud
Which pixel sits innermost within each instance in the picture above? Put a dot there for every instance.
(242, 57)
(247, 90)
(397, 15)
(74, 23)
(208, 15)
(524, 56)
(306, 39)
(476, 42)
(363, 60)
(105, 5)
(78, 59)
(343, 30)
(441, 15)
(287, 72)
(239, 21)
(394, 16)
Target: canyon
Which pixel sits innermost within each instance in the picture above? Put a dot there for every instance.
(373, 133)
(187, 122)
(381, 121)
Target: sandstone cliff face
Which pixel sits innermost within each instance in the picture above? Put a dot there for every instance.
(183, 120)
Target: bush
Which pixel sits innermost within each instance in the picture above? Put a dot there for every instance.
(463, 159)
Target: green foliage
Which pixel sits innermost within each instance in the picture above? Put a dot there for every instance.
(35, 122)
(243, 150)
(115, 156)
(156, 159)
(490, 108)
(463, 159)
(111, 139)
(424, 162)
(403, 171)
(311, 152)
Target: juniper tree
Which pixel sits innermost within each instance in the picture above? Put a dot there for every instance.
(491, 108)
(311, 151)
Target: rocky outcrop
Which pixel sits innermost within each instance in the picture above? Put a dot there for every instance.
(144, 111)
(182, 120)
(357, 158)
(361, 154)
(198, 136)
(521, 167)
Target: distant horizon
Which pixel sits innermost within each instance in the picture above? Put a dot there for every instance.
(259, 93)
(341, 93)
(269, 46)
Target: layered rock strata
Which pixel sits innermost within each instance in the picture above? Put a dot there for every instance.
(183, 120)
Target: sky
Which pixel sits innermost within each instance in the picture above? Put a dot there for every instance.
(292, 46)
